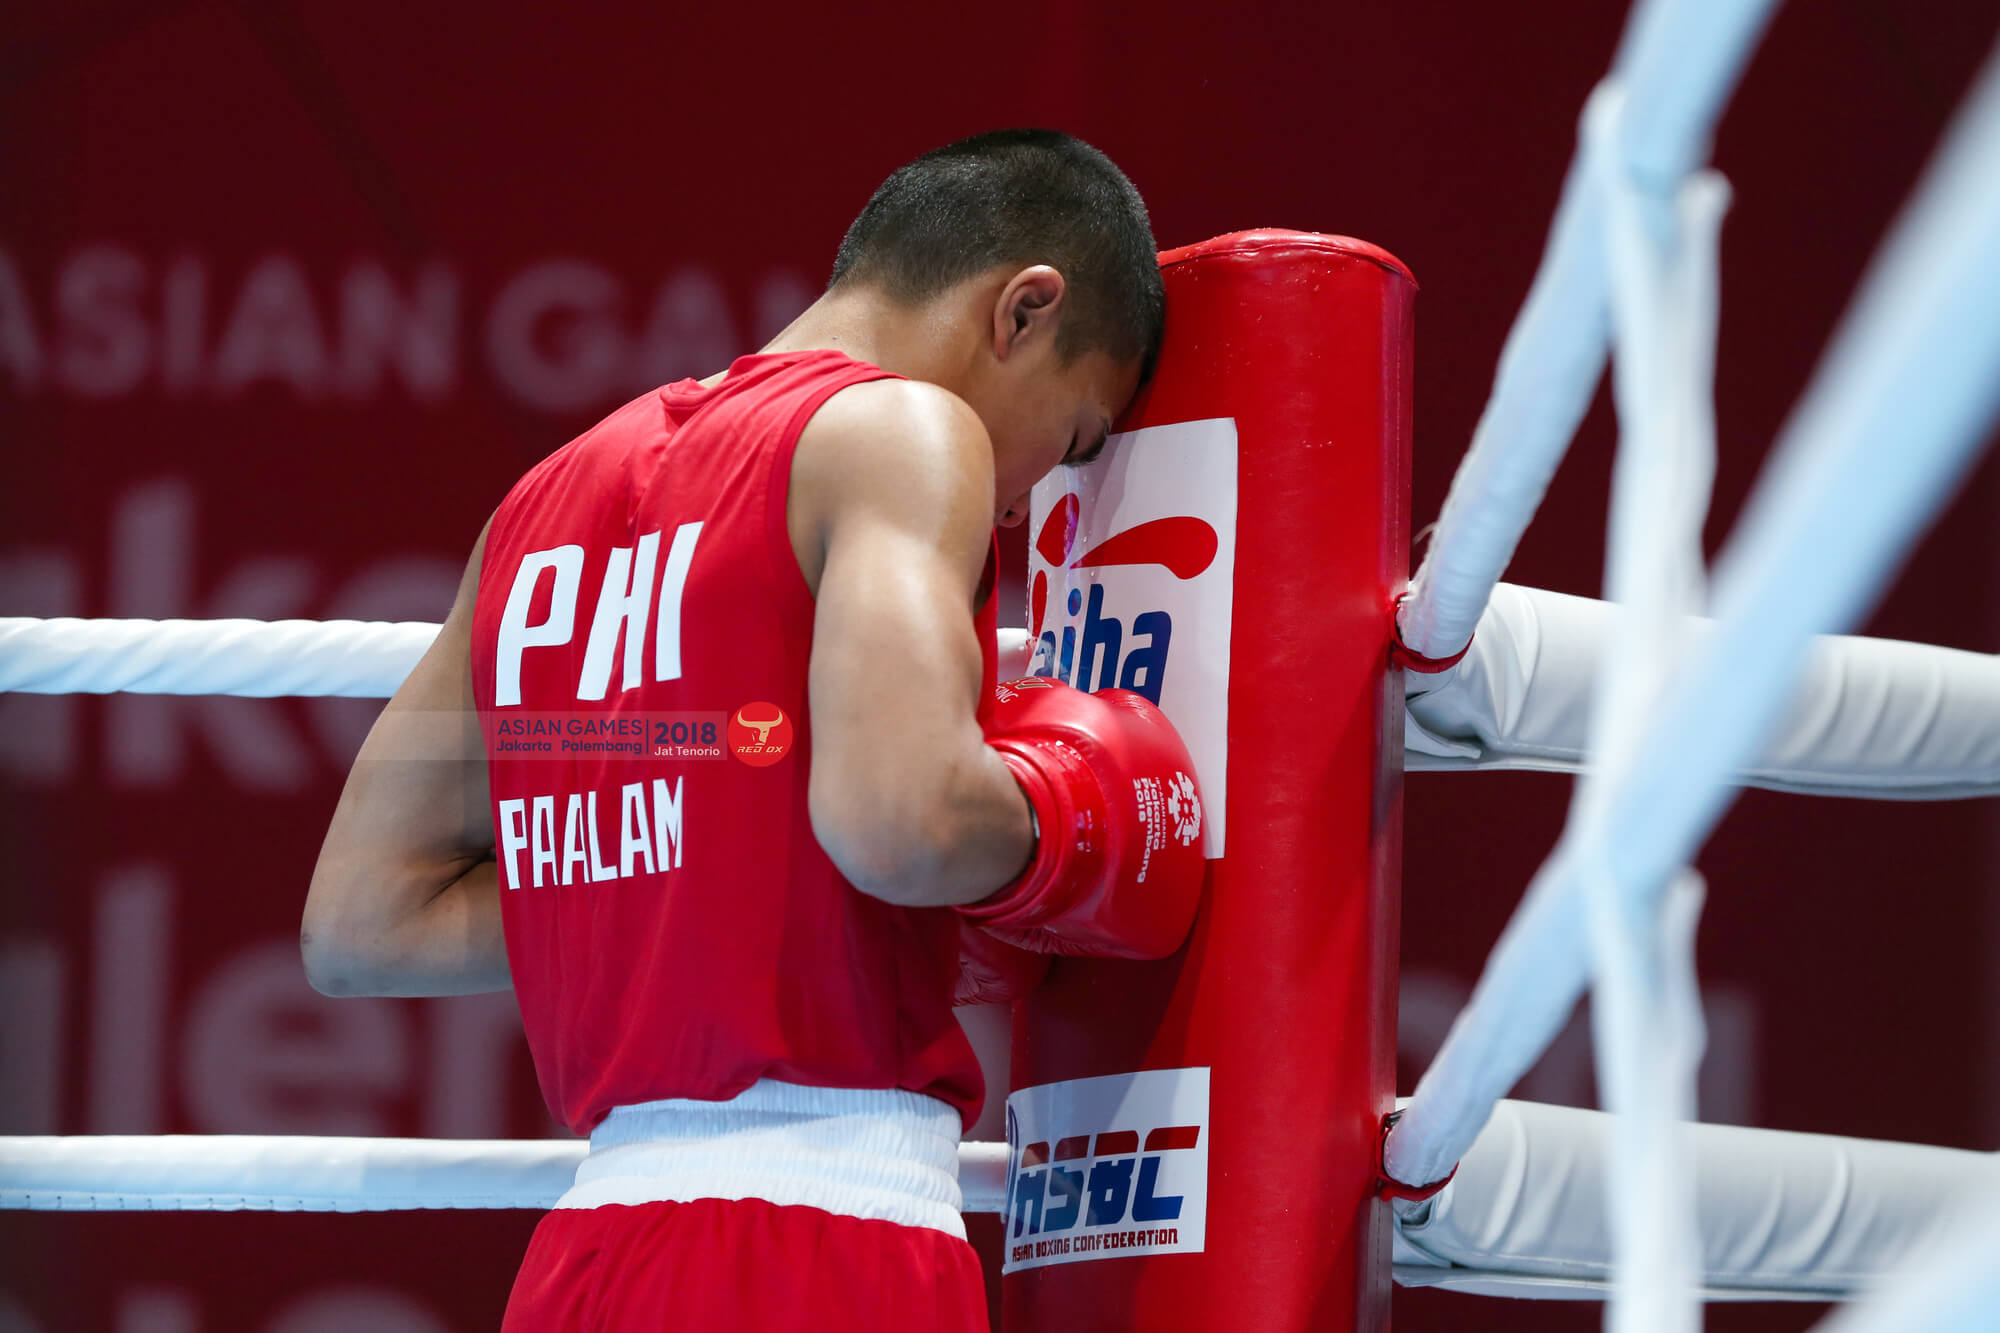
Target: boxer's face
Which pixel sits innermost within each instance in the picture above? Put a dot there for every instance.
(1062, 416)
(1039, 410)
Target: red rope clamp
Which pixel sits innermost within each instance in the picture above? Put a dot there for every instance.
(1387, 1186)
(1408, 658)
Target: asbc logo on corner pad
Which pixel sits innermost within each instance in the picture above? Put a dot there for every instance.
(760, 734)
(1106, 1168)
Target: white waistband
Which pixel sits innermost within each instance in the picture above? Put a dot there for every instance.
(875, 1153)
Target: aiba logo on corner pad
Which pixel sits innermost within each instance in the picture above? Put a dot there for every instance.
(1105, 1168)
(1131, 583)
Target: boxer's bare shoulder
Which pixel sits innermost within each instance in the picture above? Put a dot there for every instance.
(902, 452)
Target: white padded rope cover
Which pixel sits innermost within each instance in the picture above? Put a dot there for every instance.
(1952, 1287)
(1783, 1216)
(1872, 717)
(226, 1172)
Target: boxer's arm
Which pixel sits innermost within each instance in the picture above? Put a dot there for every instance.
(891, 508)
(405, 898)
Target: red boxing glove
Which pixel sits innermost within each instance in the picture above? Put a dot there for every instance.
(992, 971)
(1118, 865)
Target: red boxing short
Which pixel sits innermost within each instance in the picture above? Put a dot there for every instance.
(740, 1266)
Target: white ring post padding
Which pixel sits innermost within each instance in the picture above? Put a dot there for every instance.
(1783, 1216)
(1871, 717)
(224, 1172)
(259, 658)
(1891, 421)
(264, 659)
(1677, 63)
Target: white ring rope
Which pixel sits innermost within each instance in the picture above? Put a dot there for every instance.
(261, 658)
(1676, 66)
(358, 659)
(223, 1172)
(1661, 251)
(1786, 1216)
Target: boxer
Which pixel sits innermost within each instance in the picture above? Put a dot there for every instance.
(747, 809)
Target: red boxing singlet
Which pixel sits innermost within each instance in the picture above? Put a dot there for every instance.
(639, 656)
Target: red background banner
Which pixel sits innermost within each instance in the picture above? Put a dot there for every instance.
(290, 293)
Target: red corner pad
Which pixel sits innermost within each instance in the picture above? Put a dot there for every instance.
(1408, 658)
(1386, 1186)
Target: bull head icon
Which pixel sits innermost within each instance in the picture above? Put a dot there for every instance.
(763, 729)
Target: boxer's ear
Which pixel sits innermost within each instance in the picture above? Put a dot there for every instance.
(1027, 310)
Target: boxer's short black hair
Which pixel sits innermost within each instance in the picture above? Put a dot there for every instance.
(1019, 197)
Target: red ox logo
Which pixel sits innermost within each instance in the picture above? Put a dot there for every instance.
(760, 734)
(763, 729)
